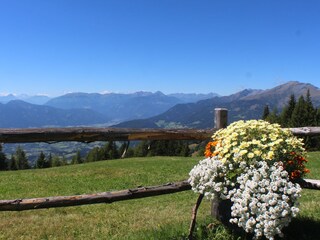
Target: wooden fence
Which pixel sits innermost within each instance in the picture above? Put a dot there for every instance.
(114, 134)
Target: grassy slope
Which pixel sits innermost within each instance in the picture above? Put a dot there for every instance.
(159, 217)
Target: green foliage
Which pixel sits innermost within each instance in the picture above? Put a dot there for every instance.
(162, 148)
(93, 155)
(13, 163)
(141, 150)
(57, 161)
(3, 160)
(76, 159)
(299, 113)
(287, 112)
(273, 117)
(41, 161)
(21, 159)
(266, 112)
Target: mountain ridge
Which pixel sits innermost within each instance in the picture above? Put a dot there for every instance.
(20, 114)
(147, 109)
(122, 107)
(246, 104)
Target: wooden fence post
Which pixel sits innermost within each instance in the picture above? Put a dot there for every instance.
(220, 118)
(220, 121)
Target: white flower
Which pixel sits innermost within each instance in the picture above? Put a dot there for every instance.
(263, 212)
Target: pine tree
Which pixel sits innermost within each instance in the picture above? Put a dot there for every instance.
(266, 112)
(77, 158)
(113, 151)
(287, 112)
(185, 151)
(13, 163)
(92, 155)
(3, 160)
(56, 161)
(41, 161)
(141, 149)
(310, 111)
(64, 161)
(21, 159)
(273, 117)
(49, 161)
(299, 115)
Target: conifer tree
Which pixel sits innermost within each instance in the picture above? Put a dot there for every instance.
(113, 150)
(13, 163)
(141, 149)
(77, 158)
(266, 112)
(299, 115)
(93, 155)
(56, 161)
(21, 159)
(185, 151)
(49, 161)
(41, 161)
(273, 116)
(3, 160)
(310, 111)
(287, 112)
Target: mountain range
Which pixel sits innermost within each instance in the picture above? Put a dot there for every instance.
(79, 109)
(246, 104)
(146, 109)
(121, 107)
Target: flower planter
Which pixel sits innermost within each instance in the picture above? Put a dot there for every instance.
(221, 210)
(253, 163)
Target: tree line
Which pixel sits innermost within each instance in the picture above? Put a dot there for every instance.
(111, 150)
(297, 113)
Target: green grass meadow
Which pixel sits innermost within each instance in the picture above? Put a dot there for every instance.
(160, 217)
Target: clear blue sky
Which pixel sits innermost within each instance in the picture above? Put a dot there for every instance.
(222, 46)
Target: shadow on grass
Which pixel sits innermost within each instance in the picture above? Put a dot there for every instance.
(299, 229)
(303, 229)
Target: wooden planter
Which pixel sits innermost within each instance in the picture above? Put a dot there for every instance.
(221, 210)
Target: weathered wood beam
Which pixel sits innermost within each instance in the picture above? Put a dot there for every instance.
(110, 197)
(310, 184)
(81, 134)
(86, 134)
(105, 197)
(306, 131)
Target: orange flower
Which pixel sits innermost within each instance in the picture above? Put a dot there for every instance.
(295, 174)
(290, 162)
(306, 170)
(209, 149)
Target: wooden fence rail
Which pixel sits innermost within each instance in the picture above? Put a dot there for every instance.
(110, 197)
(81, 134)
(104, 197)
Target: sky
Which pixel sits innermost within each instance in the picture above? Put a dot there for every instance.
(58, 46)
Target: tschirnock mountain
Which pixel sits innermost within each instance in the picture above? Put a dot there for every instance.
(36, 99)
(20, 114)
(247, 104)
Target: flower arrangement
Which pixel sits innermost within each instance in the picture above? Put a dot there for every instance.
(254, 164)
